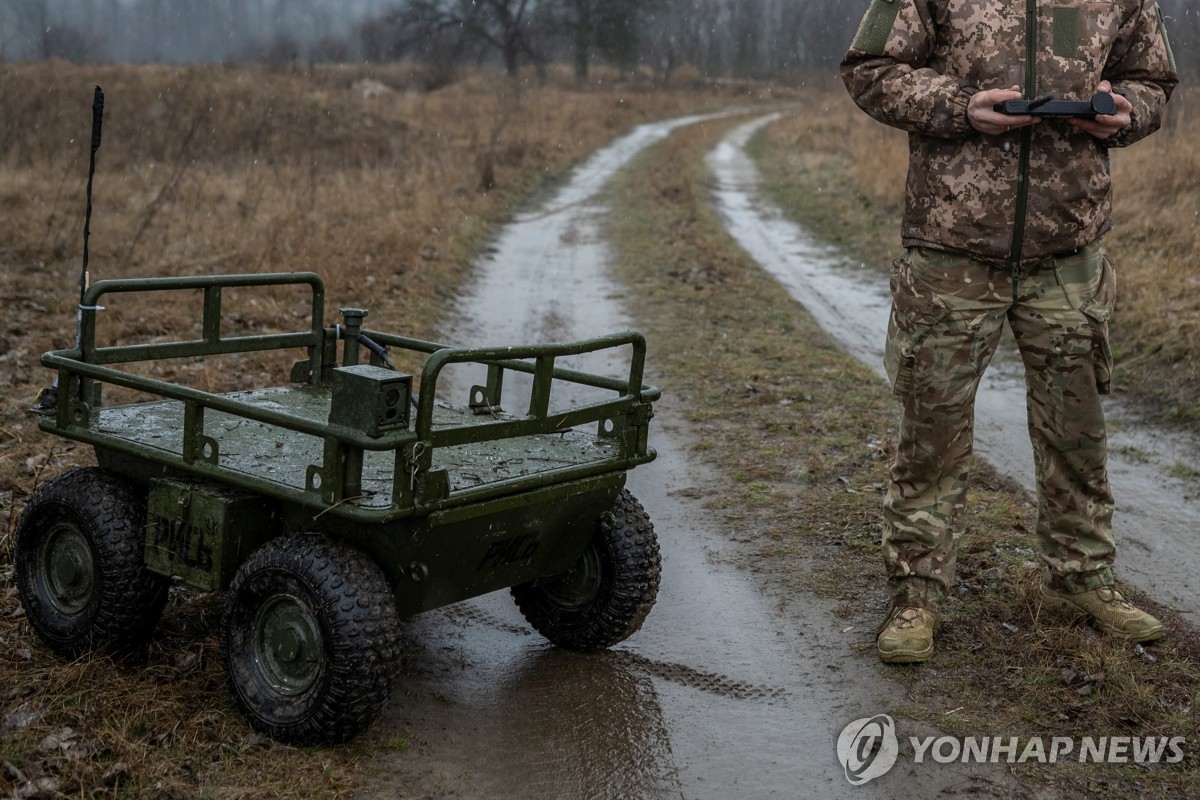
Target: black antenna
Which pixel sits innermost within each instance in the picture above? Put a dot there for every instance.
(47, 399)
(97, 125)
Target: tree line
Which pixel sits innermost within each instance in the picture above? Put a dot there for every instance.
(735, 38)
(719, 38)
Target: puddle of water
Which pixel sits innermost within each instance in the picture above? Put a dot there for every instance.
(1157, 523)
(718, 695)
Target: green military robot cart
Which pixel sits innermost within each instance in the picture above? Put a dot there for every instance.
(329, 508)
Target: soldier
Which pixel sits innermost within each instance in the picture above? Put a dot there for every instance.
(1003, 220)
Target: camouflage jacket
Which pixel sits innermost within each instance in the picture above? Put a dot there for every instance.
(1037, 191)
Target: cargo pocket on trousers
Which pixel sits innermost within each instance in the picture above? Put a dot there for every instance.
(1098, 311)
(916, 310)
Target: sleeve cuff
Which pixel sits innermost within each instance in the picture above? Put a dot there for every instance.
(962, 101)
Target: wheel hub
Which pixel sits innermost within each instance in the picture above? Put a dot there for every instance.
(67, 569)
(578, 585)
(288, 646)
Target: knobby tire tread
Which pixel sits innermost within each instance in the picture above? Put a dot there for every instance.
(360, 625)
(128, 600)
(633, 566)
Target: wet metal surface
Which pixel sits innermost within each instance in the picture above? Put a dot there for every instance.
(1157, 523)
(720, 694)
(282, 456)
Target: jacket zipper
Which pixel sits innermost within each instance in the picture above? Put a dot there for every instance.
(1030, 90)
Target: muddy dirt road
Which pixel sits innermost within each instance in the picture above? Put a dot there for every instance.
(1157, 522)
(719, 695)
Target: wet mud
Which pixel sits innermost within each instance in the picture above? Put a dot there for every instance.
(722, 693)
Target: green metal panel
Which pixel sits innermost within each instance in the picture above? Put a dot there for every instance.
(201, 532)
(475, 549)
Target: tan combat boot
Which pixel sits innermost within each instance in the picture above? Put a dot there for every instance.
(1108, 610)
(907, 637)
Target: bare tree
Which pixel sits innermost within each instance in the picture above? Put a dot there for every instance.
(579, 18)
(381, 39)
(502, 25)
(614, 28)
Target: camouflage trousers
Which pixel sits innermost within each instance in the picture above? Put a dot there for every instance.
(948, 312)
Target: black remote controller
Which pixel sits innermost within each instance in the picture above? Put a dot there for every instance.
(1101, 103)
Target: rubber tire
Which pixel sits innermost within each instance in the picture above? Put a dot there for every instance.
(126, 600)
(625, 549)
(355, 612)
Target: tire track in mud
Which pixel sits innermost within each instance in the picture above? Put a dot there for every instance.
(682, 674)
(721, 693)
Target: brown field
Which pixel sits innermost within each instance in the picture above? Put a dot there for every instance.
(1156, 329)
(352, 173)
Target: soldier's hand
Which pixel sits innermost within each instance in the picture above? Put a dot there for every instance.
(1105, 125)
(983, 117)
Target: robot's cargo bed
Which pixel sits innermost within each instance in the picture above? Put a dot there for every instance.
(353, 440)
(255, 448)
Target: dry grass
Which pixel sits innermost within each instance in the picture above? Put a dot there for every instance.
(383, 189)
(348, 172)
(844, 174)
(1157, 208)
(801, 433)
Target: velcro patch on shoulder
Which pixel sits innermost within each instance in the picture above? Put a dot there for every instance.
(1065, 31)
(877, 27)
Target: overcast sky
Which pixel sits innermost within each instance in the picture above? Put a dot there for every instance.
(170, 30)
